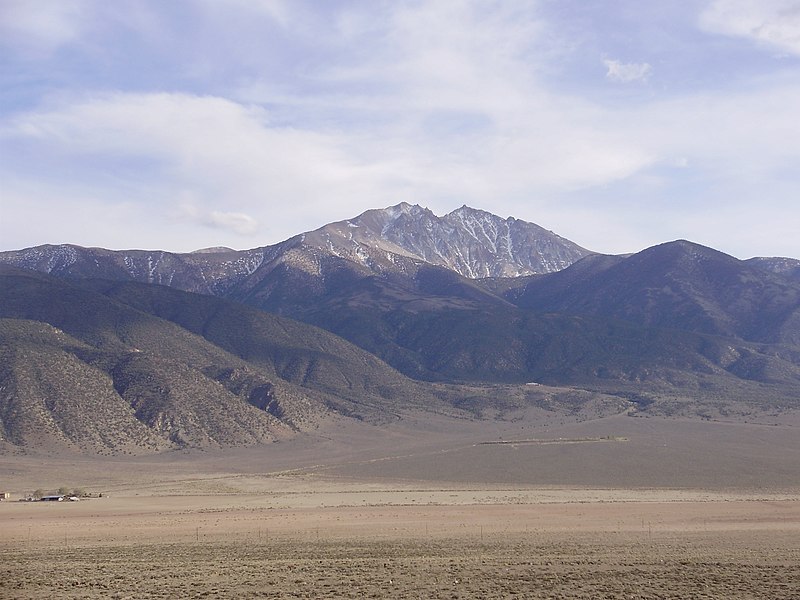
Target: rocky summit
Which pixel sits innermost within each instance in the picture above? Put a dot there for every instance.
(473, 243)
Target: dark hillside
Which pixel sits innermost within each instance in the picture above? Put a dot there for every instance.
(298, 353)
(74, 359)
(678, 285)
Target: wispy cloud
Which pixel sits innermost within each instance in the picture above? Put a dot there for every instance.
(773, 23)
(627, 72)
(42, 28)
(238, 223)
(217, 150)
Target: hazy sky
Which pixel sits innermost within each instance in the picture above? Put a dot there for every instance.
(183, 124)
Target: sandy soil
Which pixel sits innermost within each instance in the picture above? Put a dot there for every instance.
(380, 543)
(374, 518)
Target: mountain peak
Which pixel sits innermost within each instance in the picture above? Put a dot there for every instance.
(468, 210)
(684, 251)
(404, 208)
(213, 250)
(473, 242)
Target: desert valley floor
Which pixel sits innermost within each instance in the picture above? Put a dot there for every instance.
(613, 508)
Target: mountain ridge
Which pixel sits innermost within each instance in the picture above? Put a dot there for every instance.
(385, 314)
(472, 242)
(103, 366)
(381, 240)
(680, 285)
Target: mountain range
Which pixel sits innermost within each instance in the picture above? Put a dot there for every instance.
(393, 311)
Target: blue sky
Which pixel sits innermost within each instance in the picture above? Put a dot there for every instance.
(193, 123)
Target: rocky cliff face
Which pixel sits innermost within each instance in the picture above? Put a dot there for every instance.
(473, 243)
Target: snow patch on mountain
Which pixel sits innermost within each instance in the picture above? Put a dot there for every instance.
(474, 243)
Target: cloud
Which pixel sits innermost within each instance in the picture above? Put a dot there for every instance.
(208, 139)
(238, 223)
(45, 27)
(773, 23)
(155, 148)
(280, 10)
(626, 72)
(454, 100)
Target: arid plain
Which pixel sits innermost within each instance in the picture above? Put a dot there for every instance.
(620, 507)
